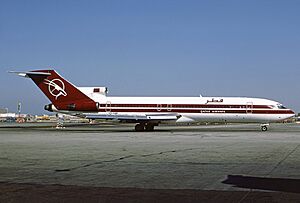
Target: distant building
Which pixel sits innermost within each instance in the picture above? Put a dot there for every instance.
(42, 118)
(7, 117)
(3, 110)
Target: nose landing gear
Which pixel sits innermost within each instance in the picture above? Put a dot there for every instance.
(264, 127)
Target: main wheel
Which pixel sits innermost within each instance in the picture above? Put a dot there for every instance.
(264, 128)
(139, 127)
(149, 127)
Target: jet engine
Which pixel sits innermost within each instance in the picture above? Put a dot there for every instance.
(49, 107)
(81, 106)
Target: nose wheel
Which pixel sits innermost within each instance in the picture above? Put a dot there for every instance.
(264, 127)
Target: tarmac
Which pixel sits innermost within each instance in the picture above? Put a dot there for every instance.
(219, 163)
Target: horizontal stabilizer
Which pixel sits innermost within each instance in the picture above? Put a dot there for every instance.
(28, 74)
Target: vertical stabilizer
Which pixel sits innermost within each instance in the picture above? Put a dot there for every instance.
(63, 94)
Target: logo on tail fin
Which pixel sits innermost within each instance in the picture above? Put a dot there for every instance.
(56, 88)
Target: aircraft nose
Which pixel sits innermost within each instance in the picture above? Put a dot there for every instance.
(292, 112)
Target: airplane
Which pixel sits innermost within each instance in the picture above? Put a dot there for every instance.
(148, 112)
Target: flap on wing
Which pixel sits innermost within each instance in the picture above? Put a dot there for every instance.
(135, 118)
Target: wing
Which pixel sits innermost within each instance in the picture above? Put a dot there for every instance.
(135, 118)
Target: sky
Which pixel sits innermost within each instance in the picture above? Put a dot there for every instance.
(153, 48)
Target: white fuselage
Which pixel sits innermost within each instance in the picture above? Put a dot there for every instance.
(195, 109)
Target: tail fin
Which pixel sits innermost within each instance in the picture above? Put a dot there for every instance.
(63, 94)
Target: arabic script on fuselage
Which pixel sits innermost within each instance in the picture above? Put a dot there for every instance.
(213, 100)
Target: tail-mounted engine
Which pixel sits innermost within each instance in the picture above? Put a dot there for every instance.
(94, 91)
(49, 107)
(80, 106)
(84, 106)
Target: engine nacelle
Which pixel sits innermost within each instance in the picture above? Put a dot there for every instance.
(49, 107)
(80, 106)
(83, 106)
(93, 91)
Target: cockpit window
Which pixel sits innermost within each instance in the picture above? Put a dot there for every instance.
(280, 106)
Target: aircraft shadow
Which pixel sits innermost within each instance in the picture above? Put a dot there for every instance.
(273, 184)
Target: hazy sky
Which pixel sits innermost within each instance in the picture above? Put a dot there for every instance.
(153, 48)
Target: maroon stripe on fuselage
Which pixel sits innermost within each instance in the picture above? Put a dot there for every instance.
(203, 111)
(185, 106)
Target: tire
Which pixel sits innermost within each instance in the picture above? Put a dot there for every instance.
(149, 127)
(139, 127)
(264, 128)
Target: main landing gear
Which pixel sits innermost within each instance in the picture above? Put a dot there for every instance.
(264, 127)
(140, 127)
